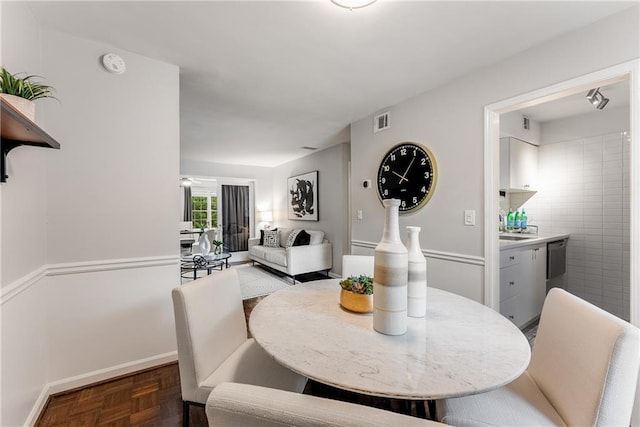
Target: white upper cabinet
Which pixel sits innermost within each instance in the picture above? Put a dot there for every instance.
(518, 165)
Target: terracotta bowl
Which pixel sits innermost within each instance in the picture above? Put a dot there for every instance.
(358, 303)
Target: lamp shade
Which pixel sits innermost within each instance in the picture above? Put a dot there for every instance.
(265, 216)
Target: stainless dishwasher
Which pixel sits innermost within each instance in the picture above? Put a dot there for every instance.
(556, 258)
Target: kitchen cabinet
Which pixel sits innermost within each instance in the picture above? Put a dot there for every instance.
(518, 165)
(523, 283)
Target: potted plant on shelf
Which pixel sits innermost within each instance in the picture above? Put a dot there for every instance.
(20, 92)
(357, 294)
(217, 250)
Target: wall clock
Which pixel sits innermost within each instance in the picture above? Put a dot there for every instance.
(408, 172)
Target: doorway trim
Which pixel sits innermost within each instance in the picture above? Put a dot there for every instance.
(628, 70)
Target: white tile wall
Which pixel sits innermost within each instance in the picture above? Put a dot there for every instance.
(584, 190)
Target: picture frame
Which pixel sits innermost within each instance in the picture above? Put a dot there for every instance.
(302, 197)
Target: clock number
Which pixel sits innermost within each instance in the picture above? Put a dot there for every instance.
(393, 157)
(386, 168)
(423, 161)
(403, 204)
(426, 175)
(415, 152)
(403, 151)
(415, 200)
(423, 189)
(383, 180)
(386, 192)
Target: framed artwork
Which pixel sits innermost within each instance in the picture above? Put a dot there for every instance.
(302, 195)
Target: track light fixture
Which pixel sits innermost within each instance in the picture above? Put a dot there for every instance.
(597, 99)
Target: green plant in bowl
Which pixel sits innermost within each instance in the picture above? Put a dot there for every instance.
(24, 87)
(362, 284)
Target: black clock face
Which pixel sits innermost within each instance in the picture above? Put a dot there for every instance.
(407, 172)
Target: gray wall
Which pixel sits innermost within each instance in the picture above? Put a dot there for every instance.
(332, 167)
(450, 121)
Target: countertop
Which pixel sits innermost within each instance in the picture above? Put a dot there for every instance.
(532, 239)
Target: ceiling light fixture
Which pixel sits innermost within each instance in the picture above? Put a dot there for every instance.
(597, 99)
(353, 4)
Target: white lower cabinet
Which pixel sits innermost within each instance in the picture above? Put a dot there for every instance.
(523, 282)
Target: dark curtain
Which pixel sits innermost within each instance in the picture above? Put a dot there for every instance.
(235, 218)
(186, 215)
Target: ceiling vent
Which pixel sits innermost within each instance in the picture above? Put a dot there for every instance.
(382, 122)
(306, 147)
(525, 122)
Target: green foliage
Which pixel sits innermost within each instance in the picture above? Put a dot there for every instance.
(217, 243)
(24, 87)
(362, 284)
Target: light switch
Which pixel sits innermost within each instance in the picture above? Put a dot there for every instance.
(359, 214)
(469, 217)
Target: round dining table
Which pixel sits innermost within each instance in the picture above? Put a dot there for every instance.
(459, 348)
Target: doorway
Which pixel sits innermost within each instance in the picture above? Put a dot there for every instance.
(627, 71)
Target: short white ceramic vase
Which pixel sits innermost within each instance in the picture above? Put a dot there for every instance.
(417, 275)
(390, 276)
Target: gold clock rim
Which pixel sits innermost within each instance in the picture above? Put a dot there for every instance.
(434, 180)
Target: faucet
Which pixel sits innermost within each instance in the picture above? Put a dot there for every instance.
(531, 225)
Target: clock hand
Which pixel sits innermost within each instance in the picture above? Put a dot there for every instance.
(407, 171)
(401, 177)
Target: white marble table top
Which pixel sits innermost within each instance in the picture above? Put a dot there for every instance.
(461, 347)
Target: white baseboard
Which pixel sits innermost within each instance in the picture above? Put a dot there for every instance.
(94, 377)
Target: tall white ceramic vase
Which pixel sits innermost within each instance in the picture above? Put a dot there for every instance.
(390, 276)
(417, 277)
(204, 244)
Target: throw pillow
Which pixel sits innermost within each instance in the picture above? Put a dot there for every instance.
(292, 237)
(271, 238)
(284, 235)
(316, 237)
(262, 236)
(302, 239)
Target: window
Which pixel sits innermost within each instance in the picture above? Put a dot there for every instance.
(204, 210)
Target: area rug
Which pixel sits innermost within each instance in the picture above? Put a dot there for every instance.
(256, 282)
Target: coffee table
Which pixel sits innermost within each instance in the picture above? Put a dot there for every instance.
(195, 262)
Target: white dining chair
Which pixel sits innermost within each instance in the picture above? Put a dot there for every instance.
(583, 372)
(213, 347)
(242, 405)
(356, 265)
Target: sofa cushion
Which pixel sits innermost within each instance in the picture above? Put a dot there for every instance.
(284, 235)
(271, 238)
(276, 256)
(316, 237)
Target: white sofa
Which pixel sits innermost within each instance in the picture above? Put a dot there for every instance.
(294, 260)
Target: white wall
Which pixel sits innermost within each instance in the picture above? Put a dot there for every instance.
(511, 125)
(449, 120)
(599, 122)
(86, 284)
(332, 167)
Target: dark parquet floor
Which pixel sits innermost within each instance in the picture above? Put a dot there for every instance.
(152, 398)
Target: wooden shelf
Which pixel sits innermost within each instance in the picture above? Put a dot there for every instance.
(16, 130)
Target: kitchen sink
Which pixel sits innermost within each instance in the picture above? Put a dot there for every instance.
(516, 238)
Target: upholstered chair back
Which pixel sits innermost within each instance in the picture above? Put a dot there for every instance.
(356, 265)
(585, 361)
(210, 326)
